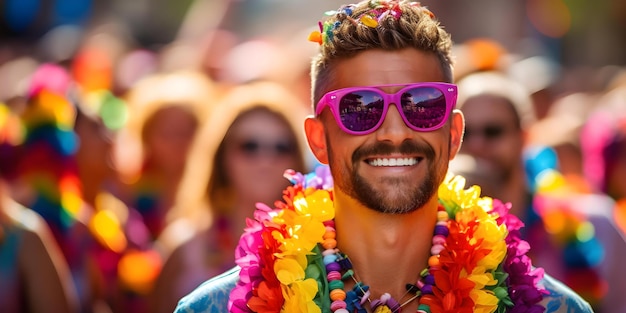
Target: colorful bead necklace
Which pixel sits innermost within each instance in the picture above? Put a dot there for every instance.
(290, 262)
(354, 300)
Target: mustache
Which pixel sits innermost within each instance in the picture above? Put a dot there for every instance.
(382, 148)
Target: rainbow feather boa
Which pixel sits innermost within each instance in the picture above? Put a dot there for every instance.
(483, 268)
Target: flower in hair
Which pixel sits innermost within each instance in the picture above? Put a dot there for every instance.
(379, 10)
(325, 34)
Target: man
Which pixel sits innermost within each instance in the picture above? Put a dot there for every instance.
(498, 112)
(376, 251)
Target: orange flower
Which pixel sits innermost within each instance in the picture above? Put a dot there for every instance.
(268, 299)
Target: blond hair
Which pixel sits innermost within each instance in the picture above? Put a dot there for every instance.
(195, 199)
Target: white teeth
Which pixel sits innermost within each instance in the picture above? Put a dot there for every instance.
(393, 162)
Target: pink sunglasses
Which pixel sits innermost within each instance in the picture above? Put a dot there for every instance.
(361, 110)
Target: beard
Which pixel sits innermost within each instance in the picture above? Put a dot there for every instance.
(399, 195)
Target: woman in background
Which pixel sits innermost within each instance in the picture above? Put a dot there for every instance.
(166, 110)
(238, 159)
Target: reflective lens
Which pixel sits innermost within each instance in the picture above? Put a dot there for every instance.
(424, 107)
(361, 110)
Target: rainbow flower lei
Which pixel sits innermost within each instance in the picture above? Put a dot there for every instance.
(482, 268)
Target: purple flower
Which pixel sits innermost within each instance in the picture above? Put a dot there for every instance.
(523, 280)
(512, 222)
(321, 178)
(521, 308)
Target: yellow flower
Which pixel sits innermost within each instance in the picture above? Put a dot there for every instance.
(304, 224)
(317, 203)
(297, 291)
(304, 229)
(288, 271)
(494, 236)
(484, 301)
(454, 196)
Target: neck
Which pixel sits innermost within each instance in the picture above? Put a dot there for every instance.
(516, 192)
(387, 250)
(243, 209)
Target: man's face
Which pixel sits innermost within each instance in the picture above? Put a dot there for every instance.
(492, 135)
(357, 161)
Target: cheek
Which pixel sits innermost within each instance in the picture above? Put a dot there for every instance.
(511, 149)
(443, 159)
(340, 149)
(234, 164)
(259, 179)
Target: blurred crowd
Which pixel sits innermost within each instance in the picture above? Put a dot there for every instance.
(127, 172)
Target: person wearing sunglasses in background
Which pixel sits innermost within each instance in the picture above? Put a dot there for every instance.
(238, 159)
(498, 111)
(385, 229)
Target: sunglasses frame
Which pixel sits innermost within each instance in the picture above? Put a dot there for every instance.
(332, 99)
(488, 132)
(256, 148)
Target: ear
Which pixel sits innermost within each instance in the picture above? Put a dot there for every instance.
(316, 138)
(457, 128)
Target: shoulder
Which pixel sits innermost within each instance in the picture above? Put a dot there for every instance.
(561, 298)
(24, 218)
(30, 228)
(211, 296)
(177, 234)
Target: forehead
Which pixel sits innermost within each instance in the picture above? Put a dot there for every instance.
(382, 67)
(259, 122)
(488, 108)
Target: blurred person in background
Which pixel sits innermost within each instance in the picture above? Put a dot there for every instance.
(519, 156)
(166, 110)
(560, 131)
(100, 115)
(238, 159)
(603, 142)
(118, 229)
(498, 112)
(34, 276)
(47, 179)
(575, 237)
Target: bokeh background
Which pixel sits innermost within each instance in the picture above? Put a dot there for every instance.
(574, 33)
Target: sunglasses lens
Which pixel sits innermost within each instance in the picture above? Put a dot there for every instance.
(254, 148)
(493, 131)
(424, 107)
(488, 132)
(284, 148)
(250, 147)
(361, 110)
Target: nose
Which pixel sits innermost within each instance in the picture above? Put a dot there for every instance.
(393, 128)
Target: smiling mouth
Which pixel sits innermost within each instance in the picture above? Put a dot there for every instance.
(393, 161)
